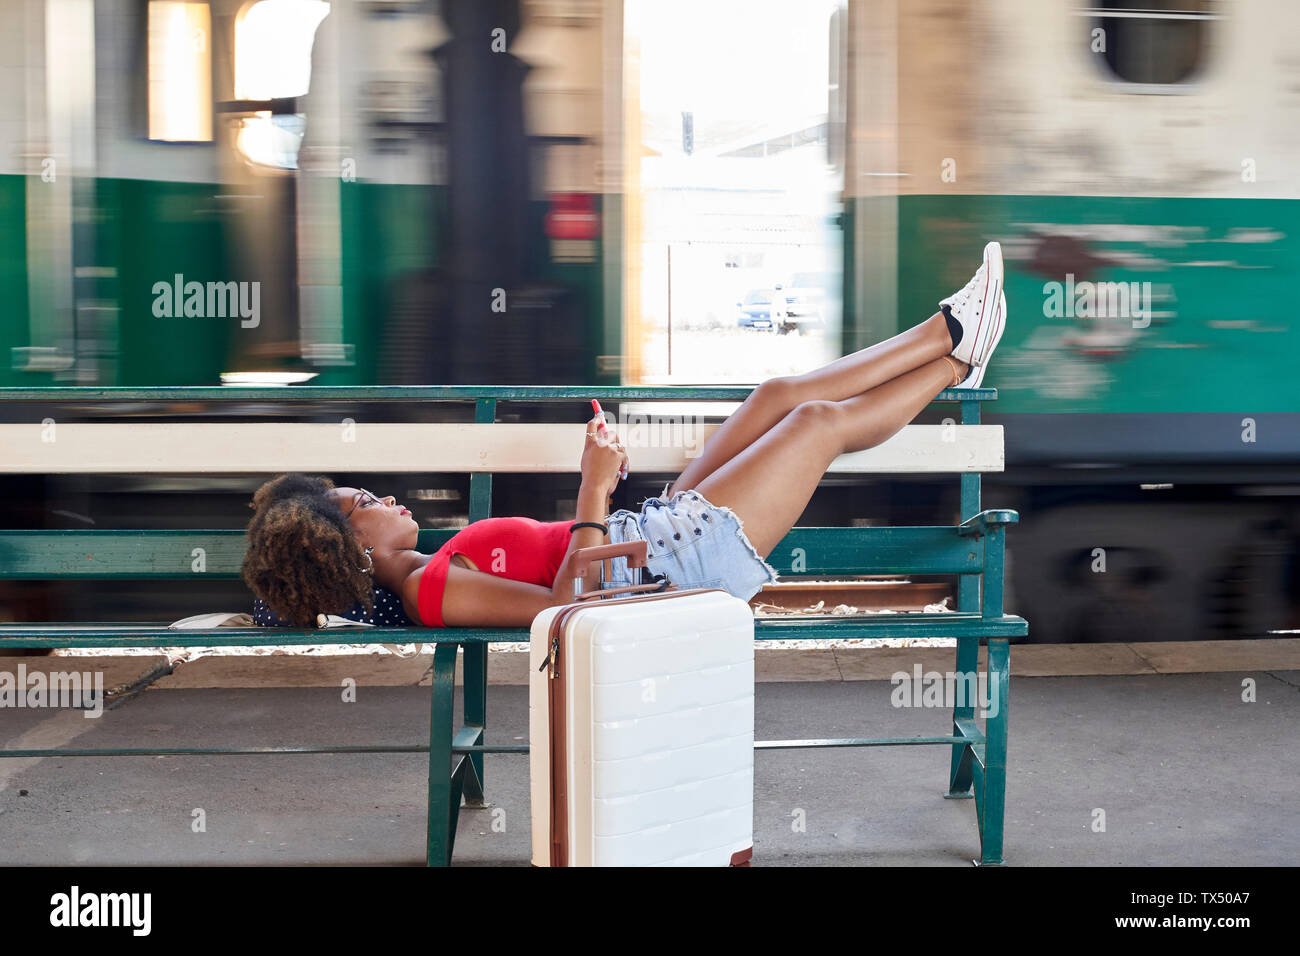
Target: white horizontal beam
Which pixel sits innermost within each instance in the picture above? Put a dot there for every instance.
(262, 448)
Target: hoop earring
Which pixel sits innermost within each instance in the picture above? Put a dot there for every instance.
(370, 569)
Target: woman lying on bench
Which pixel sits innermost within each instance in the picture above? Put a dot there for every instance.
(315, 548)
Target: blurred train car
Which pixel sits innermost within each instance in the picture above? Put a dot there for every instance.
(427, 192)
(1115, 147)
(322, 151)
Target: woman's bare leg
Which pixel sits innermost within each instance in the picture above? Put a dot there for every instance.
(850, 375)
(769, 483)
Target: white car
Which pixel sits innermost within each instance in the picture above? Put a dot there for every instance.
(797, 305)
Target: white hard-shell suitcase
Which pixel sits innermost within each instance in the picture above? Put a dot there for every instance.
(641, 724)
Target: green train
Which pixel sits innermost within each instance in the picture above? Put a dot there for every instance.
(478, 191)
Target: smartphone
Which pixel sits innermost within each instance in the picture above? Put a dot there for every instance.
(600, 413)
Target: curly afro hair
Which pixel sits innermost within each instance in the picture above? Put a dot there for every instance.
(303, 559)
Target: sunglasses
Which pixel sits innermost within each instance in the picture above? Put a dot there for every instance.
(362, 495)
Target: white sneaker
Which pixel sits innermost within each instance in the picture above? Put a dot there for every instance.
(980, 309)
(977, 371)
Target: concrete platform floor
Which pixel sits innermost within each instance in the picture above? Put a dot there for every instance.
(1184, 770)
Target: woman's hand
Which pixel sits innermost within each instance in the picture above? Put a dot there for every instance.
(603, 457)
(612, 437)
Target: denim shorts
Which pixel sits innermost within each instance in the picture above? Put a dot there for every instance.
(694, 543)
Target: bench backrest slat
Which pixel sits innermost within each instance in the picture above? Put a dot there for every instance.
(217, 554)
(308, 394)
(349, 446)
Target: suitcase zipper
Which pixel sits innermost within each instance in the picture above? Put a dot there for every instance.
(551, 658)
(559, 785)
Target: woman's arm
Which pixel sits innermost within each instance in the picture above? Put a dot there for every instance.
(479, 599)
(592, 506)
(602, 461)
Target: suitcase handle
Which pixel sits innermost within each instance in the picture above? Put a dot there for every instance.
(582, 559)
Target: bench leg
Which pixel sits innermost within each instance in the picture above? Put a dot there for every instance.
(994, 777)
(959, 772)
(444, 783)
(475, 691)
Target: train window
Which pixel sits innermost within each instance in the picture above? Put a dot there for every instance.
(180, 71)
(1151, 42)
(273, 44)
(273, 41)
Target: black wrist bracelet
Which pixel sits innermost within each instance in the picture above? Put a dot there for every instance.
(587, 524)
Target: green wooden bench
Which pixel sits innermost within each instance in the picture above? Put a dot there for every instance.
(973, 549)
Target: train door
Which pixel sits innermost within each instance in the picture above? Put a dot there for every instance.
(283, 227)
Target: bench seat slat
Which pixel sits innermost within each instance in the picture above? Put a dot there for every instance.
(765, 628)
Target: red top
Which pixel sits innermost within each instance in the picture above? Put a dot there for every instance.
(522, 549)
